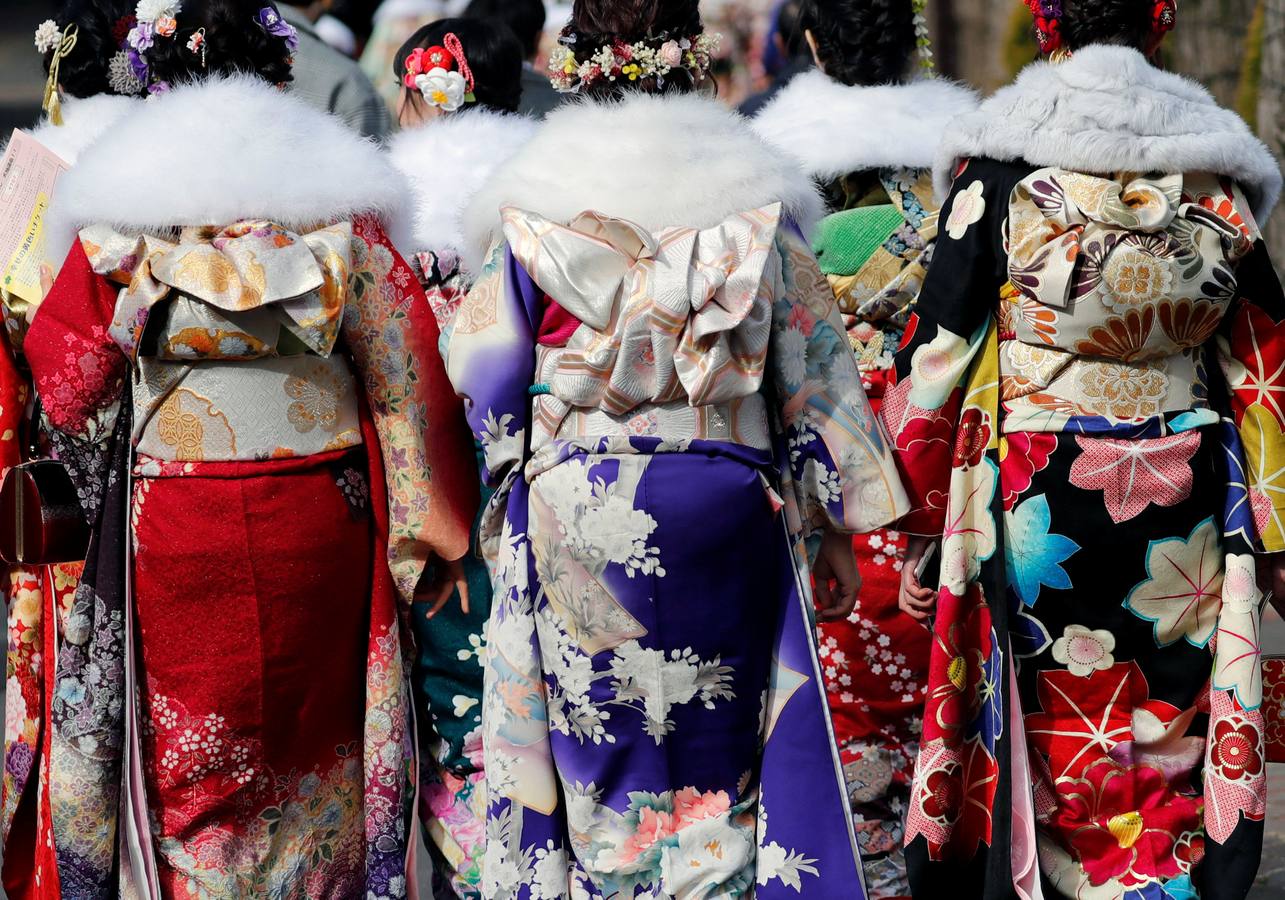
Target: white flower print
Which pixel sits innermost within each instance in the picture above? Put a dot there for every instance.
(654, 683)
(967, 209)
(792, 355)
(1084, 651)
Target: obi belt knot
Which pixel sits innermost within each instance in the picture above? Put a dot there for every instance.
(249, 290)
(681, 313)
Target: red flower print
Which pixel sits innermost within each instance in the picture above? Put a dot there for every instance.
(957, 677)
(1235, 749)
(1084, 718)
(1126, 823)
(943, 793)
(972, 437)
(1021, 455)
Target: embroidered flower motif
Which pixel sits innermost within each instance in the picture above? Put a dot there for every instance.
(48, 34)
(966, 210)
(1124, 392)
(316, 401)
(1134, 278)
(1084, 651)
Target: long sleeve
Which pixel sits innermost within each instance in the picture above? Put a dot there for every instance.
(428, 457)
(1252, 351)
(839, 459)
(78, 369)
(963, 288)
(492, 360)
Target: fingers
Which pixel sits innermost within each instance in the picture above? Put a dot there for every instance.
(461, 585)
(824, 597)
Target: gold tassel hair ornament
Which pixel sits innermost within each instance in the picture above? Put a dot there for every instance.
(53, 102)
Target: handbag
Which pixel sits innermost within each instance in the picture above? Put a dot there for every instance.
(41, 520)
(1274, 708)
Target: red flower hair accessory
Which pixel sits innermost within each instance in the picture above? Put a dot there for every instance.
(1048, 31)
(1164, 14)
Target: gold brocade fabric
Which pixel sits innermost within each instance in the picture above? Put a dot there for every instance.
(678, 321)
(232, 332)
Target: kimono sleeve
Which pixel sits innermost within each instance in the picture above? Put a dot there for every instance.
(428, 457)
(839, 460)
(921, 409)
(491, 360)
(78, 369)
(1252, 351)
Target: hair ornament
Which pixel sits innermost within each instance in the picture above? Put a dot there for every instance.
(653, 58)
(196, 44)
(61, 49)
(270, 21)
(441, 74)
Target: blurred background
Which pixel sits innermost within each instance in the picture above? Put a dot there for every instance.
(1236, 48)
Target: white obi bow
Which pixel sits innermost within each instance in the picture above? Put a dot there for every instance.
(680, 313)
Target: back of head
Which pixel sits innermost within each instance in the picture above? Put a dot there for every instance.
(101, 27)
(862, 41)
(619, 44)
(213, 38)
(1127, 23)
(491, 50)
(525, 18)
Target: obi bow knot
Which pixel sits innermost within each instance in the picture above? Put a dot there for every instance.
(681, 313)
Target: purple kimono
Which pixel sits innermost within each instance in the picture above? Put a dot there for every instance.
(668, 415)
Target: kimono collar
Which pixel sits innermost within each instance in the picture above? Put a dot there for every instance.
(1107, 110)
(246, 266)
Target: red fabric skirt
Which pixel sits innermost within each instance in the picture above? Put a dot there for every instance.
(252, 595)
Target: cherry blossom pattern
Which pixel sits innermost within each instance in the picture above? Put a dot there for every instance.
(966, 210)
(1182, 594)
(1084, 651)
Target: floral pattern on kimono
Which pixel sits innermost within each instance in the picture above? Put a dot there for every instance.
(1058, 403)
(875, 249)
(642, 736)
(258, 294)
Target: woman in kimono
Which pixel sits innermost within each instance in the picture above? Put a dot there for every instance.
(1085, 413)
(658, 375)
(448, 147)
(82, 48)
(865, 126)
(242, 375)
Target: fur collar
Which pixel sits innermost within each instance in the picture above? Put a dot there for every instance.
(446, 162)
(834, 129)
(221, 150)
(658, 161)
(84, 121)
(1108, 110)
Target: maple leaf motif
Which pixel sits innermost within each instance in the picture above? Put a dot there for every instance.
(1183, 591)
(1134, 474)
(1084, 719)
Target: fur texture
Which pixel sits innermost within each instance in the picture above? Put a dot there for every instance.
(84, 121)
(446, 162)
(222, 150)
(1108, 110)
(658, 161)
(834, 129)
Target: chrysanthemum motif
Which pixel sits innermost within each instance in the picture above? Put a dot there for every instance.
(47, 35)
(151, 10)
(121, 77)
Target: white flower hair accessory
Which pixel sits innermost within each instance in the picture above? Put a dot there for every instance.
(441, 74)
(121, 77)
(48, 34)
(654, 58)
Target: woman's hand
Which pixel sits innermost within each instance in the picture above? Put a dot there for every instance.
(915, 600)
(836, 563)
(448, 578)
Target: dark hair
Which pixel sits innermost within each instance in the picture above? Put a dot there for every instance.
(862, 41)
(1126, 22)
(789, 27)
(234, 43)
(491, 50)
(100, 32)
(525, 17)
(597, 23)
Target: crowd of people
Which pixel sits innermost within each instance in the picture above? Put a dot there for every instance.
(508, 449)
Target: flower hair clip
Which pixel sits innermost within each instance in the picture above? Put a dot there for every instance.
(1164, 15)
(1048, 31)
(270, 21)
(152, 19)
(196, 44)
(441, 75)
(654, 58)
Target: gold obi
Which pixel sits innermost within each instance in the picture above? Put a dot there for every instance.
(1116, 285)
(232, 332)
(675, 325)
